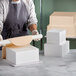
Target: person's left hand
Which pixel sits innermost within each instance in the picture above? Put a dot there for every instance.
(1, 38)
(35, 32)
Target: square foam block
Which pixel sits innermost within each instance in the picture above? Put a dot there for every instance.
(62, 18)
(56, 50)
(24, 55)
(56, 36)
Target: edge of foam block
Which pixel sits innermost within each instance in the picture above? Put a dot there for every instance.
(25, 62)
(62, 46)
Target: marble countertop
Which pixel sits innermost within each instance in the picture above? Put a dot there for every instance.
(49, 66)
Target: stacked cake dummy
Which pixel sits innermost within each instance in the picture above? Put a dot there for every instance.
(64, 20)
(18, 50)
(56, 43)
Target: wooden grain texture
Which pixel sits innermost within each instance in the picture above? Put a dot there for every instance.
(21, 41)
(64, 20)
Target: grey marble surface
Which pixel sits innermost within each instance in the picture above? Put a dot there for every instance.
(49, 66)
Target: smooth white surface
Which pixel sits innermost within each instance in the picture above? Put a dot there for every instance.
(56, 50)
(4, 42)
(56, 36)
(18, 56)
(37, 36)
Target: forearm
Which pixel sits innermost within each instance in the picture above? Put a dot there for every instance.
(32, 19)
(32, 27)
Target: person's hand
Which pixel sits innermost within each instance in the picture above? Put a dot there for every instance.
(1, 38)
(35, 32)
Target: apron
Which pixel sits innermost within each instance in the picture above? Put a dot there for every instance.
(16, 22)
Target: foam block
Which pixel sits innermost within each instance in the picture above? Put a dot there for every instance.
(56, 36)
(18, 56)
(56, 50)
(62, 18)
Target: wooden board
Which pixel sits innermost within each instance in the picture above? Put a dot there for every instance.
(70, 31)
(64, 20)
(21, 41)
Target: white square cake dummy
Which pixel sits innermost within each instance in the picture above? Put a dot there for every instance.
(56, 50)
(24, 55)
(56, 36)
(62, 18)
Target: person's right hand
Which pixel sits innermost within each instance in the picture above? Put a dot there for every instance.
(1, 38)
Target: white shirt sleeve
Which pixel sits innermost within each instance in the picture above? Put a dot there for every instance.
(32, 16)
(1, 17)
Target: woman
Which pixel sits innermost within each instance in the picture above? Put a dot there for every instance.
(16, 17)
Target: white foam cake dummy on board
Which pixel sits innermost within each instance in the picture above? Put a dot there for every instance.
(24, 55)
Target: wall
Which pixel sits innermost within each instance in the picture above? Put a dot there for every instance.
(67, 6)
(48, 6)
(47, 9)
